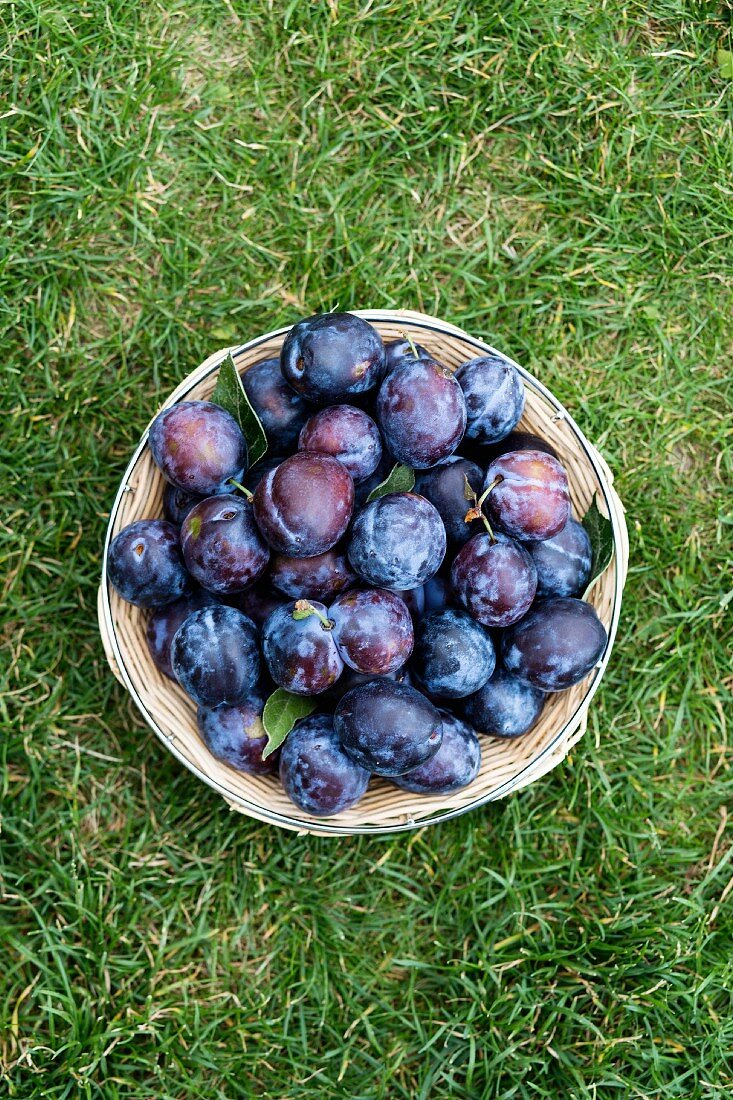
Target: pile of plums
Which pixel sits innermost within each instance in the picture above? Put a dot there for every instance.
(415, 618)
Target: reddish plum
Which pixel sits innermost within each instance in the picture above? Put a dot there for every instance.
(421, 412)
(346, 433)
(529, 499)
(222, 546)
(304, 506)
(372, 629)
(318, 578)
(494, 579)
(198, 447)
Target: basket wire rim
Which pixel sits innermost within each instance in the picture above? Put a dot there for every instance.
(333, 828)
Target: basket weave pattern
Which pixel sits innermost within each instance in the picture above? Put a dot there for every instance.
(507, 765)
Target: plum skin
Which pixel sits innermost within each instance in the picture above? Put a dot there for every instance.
(505, 706)
(530, 500)
(454, 766)
(346, 433)
(145, 563)
(421, 412)
(494, 397)
(235, 735)
(397, 541)
(316, 774)
(388, 727)
(301, 654)
(303, 507)
(556, 645)
(198, 447)
(563, 562)
(494, 579)
(222, 546)
(318, 578)
(444, 486)
(281, 410)
(215, 656)
(372, 629)
(332, 355)
(453, 655)
(165, 621)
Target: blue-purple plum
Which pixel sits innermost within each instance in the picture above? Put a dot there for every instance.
(445, 487)
(165, 621)
(454, 766)
(304, 506)
(505, 706)
(556, 645)
(397, 542)
(494, 395)
(388, 727)
(318, 578)
(421, 412)
(281, 410)
(215, 657)
(372, 629)
(330, 356)
(530, 499)
(494, 579)
(437, 594)
(145, 563)
(236, 736)
(222, 545)
(349, 434)
(299, 648)
(199, 447)
(453, 655)
(316, 773)
(177, 503)
(563, 563)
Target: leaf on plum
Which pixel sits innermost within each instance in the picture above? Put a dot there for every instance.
(282, 711)
(600, 533)
(401, 479)
(231, 395)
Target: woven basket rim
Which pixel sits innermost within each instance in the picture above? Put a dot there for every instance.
(620, 540)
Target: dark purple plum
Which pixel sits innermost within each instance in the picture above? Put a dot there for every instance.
(177, 503)
(397, 541)
(494, 395)
(332, 355)
(421, 412)
(256, 473)
(281, 410)
(316, 773)
(505, 706)
(222, 546)
(453, 656)
(299, 648)
(556, 644)
(530, 499)
(198, 447)
(372, 629)
(304, 506)
(165, 621)
(388, 727)
(445, 487)
(494, 579)
(257, 602)
(414, 601)
(145, 564)
(236, 736)
(456, 763)
(397, 350)
(436, 595)
(516, 441)
(349, 679)
(563, 563)
(318, 578)
(349, 434)
(215, 656)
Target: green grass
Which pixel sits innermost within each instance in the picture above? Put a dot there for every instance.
(557, 178)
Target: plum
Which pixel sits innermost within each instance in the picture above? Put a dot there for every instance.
(529, 499)
(199, 447)
(515, 441)
(495, 579)
(388, 727)
(304, 506)
(165, 621)
(453, 656)
(281, 410)
(563, 562)
(316, 773)
(349, 434)
(332, 355)
(445, 487)
(494, 395)
(505, 706)
(222, 546)
(299, 648)
(372, 629)
(421, 412)
(257, 602)
(395, 351)
(215, 657)
(145, 564)
(236, 736)
(319, 578)
(456, 763)
(397, 542)
(177, 503)
(556, 644)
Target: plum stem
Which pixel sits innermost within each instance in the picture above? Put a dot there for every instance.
(241, 488)
(477, 511)
(411, 342)
(302, 610)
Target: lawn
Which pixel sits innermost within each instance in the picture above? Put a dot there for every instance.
(555, 177)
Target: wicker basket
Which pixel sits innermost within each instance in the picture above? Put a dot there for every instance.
(507, 764)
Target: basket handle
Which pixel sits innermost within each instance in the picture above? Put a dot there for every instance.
(106, 640)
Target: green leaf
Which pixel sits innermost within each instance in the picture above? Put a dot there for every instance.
(400, 480)
(600, 532)
(231, 395)
(282, 711)
(725, 63)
